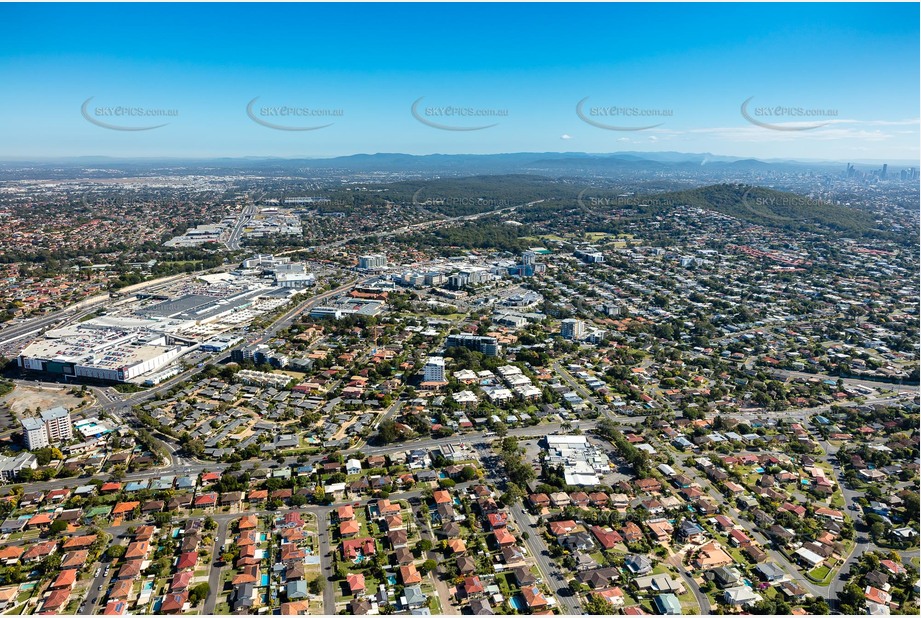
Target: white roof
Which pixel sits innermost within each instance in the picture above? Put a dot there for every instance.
(557, 439)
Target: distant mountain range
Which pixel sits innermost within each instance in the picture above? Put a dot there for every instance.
(565, 162)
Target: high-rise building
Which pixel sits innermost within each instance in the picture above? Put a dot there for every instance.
(372, 262)
(53, 427)
(572, 329)
(485, 344)
(58, 425)
(435, 369)
(35, 434)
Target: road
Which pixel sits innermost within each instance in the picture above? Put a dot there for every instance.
(703, 602)
(906, 387)
(552, 576)
(214, 576)
(425, 533)
(535, 545)
(233, 241)
(327, 576)
(69, 314)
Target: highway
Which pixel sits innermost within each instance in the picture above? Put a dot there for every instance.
(233, 241)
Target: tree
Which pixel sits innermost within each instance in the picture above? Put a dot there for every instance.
(199, 593)
(387, 432)
(878, 530)
(597, 606)
(298, 500)
(57, 527)
(428, 566)
(115, 552)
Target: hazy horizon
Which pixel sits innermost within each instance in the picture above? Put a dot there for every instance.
(766, 81)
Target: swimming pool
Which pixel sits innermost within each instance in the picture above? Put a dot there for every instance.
(392, 580)
(265, 579)
(516, 603)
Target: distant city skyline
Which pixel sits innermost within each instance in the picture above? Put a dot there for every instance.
(830, 82)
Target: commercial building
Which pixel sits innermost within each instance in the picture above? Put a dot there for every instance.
(102, 352)
(572, 329)
(529, 266)
(265, 262)
(348, 306)
(372, 262)
(435, 369)
(469, 276)
(582, 463)
(258, 354)
(590, 255)
(293, 276)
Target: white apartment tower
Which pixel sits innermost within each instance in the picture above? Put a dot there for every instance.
(58, 425)
(572, 329)
(372, 262)
(435, 369)
(35, 433)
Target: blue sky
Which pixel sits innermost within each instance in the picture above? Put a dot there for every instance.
(692, 64)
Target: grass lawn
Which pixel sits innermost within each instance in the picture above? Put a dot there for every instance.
(737, 555)
(689, 603)
(819, 574)
(505, 585)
